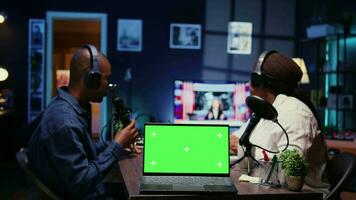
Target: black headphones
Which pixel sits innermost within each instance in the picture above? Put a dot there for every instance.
(92, 77)
(257, 76)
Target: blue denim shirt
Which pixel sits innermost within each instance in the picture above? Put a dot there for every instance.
(63, 153)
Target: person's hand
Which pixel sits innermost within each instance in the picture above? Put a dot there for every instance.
(234, 143)
(127, 135)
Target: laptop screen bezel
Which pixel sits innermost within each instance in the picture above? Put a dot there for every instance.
(185, 174)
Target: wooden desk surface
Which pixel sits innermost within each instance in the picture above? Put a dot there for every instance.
(343, 146)
(131, 170)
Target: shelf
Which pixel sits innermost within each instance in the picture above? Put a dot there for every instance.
(334, 77)
(339, 109)
(340, 71)
(340, 35)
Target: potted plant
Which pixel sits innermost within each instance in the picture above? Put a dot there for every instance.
(294, 166)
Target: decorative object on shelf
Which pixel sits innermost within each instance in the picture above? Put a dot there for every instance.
(35, 102)
(346, 22)
(5, 94)
(300, 62)
(294, 166)
(320, 30)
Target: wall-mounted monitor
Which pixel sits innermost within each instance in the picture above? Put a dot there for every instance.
(211, 102)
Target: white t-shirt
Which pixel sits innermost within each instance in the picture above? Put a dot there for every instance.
(302, 128)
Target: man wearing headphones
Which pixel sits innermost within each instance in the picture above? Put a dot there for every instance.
(61, 150)
(275, 78)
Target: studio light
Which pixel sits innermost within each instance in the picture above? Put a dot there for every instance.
(3, 74)
(301, 64)
(2, 17)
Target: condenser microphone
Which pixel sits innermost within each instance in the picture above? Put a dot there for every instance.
(122, 112)
(245, 138)
(261, 109)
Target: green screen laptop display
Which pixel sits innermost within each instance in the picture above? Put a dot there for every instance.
(187, 149)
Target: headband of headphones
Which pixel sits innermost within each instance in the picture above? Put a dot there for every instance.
(261, 60)
(94, 61)
(93, 76)
(257, 76)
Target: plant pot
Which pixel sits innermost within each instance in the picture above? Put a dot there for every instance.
(295, 183)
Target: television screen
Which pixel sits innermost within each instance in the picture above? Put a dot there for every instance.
(219, 103)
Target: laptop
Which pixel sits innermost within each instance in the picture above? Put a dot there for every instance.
(186, 158)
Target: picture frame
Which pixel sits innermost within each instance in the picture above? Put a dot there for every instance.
(185, 36)
(129, 35)
(62, 77)
(36, 67)
(239, 39)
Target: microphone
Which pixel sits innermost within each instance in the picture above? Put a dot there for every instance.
(122, 112)
(261, 109)
(254, 119)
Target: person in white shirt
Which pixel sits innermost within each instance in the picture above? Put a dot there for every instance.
(276, 79)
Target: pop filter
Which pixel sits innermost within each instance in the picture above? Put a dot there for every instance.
(261, 108)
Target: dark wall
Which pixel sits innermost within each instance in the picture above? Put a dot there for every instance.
(278, 24)
(153, 69)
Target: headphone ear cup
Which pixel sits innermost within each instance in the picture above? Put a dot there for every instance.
(256, 80)
(92, 79)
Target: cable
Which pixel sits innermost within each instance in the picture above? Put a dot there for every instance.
(101, 131)
(285, 133)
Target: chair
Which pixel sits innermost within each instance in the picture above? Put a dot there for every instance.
(22, 159)
(339, 171)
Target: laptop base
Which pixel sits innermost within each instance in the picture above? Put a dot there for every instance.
(185, 189)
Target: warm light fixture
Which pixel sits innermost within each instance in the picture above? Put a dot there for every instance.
(3, 74)
(300, 62)
(2, 17)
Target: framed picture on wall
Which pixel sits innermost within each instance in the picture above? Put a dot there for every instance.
(129, 35)
(185, 36)
(35, 84)
(62, 77)
(37, 33)
(239, 39)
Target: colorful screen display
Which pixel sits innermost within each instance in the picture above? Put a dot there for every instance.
(211, 103)
(187, 149)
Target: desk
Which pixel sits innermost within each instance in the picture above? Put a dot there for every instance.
(131, 170)
(343, 146)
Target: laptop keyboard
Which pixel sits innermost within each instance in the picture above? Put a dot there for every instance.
(186, 180)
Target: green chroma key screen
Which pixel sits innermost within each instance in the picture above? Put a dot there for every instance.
(191, 149)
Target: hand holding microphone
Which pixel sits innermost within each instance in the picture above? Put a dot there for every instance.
(122, 112)
(127, 135)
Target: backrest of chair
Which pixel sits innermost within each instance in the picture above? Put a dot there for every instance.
(339, 170)
(22, 159)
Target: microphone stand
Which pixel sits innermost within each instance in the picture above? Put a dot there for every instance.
(245, 141)
(248, 154)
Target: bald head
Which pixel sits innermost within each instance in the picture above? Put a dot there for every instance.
(80, 64)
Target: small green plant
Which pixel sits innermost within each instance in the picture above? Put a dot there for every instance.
(293, 163)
